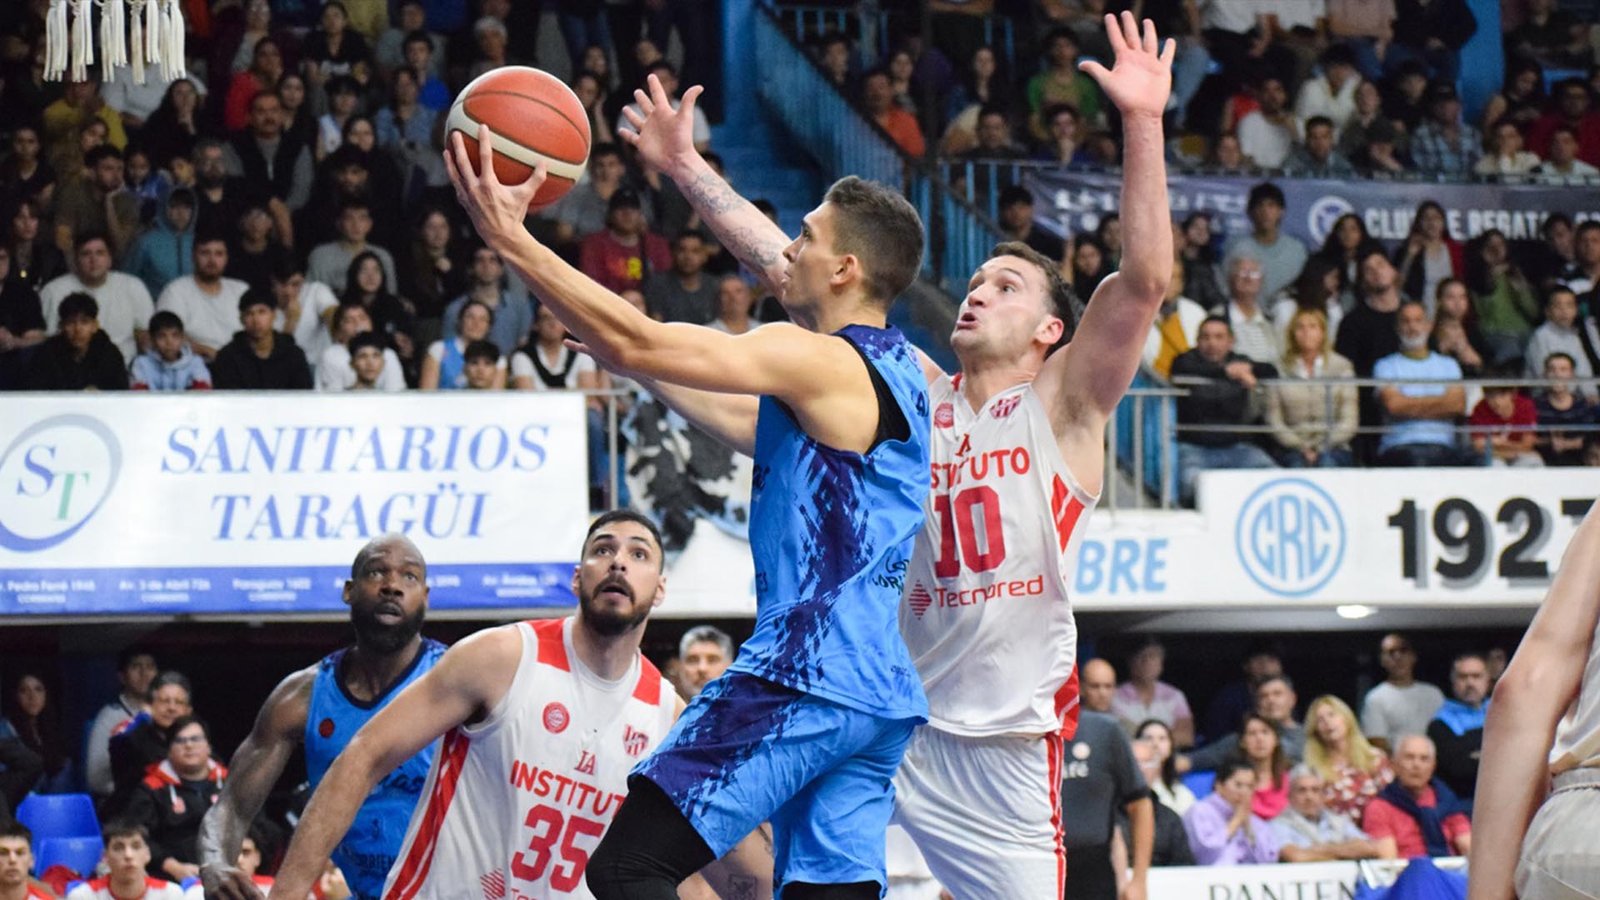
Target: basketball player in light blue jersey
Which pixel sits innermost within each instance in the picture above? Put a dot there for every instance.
(807, 727)
(322, 707)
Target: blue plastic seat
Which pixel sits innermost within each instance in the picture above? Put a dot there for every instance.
(1200, 783)
(80, 854)
(58, 816)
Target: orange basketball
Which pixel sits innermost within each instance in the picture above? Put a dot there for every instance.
(534, 116)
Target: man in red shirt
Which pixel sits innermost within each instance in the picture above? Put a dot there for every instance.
(1422, 815)
(1503, 425)
(877, 95)
(1572, 109)
(625, 252)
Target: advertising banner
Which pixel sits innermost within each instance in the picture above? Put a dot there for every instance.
(256, 504)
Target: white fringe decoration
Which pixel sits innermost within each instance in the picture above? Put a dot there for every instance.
(172, 35)
(113, 37)
(55, 45)
(133, 33)
(136, 39)
(82, 40)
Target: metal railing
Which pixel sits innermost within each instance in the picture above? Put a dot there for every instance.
(872, 27)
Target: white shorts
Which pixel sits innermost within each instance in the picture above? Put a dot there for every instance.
(1560, 855)
(985, 812)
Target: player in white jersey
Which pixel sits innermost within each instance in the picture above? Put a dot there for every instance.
(127, 853)
(541, 723)
(1539, 777)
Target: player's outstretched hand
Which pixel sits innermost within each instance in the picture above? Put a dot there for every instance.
(1140, 80)
(228, 883)
(496, 209)
(662, 135)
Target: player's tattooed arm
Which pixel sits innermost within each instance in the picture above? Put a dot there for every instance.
(757, 244)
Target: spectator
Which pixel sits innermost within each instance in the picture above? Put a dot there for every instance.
(254, 253)
(174, 796)
(1457, 731)
(1090, 265)
(175, 125)
(1099, 685)
(512, 313)
(1379, 149)
(79, 105)
(388, 51)
(333, 49)
(1562, 160)
(1281, 256)
(1432, 31)
(1442, 144)
(165, 252)
(1428, 256)
(444, 367)
(985, 86)
(1332, 93)
(683, 293)
(422, 54)
(1549, 35)
(21, 316)
(485, 367)
(354, 176)
(1220, 390)
(259, 358)
(1367, 115)
(126, 856)
(1401, 705)
(1352, 770)
(583, 210)
(1367, 28)
(735, 305)
(1267, 133)
(1065, 146)
(1061, 82)
(1558, 334)
(299, 121)
(877, 99)
(344, 96)
(207, 302)
(1418, 811)
(1099, 777)
(1317, 157)
(1313, 424)
(1521, 98)
(364, 284)
(16, 864)
(33, 720)
(1274, 702)
(1455, 330)
(330, 263)
(25, 175)
(1503, 424)
(1561, 407)
(590, 90)
(123, 302)
(148, 184)
(368, 359)
(266, 70)
(1234, 699)
(221, 199)
(1309, 832)
(1016, 223)
(80, 356)
(1261, 748)
(136, 668)
(35, 260)
(1176, 326)
(307, 307)
(835, 58)
(1419, 417)
(142, 741)
(1505, 303)
(1145, 696)
(434, 272)
(1572, 111)
(1168, 788)
(268, 157)
(1171, 844)
(98, 202)
(1201, 274)
(625, 253)
(1222, 829)
(706, 652)
(405, 120)
(993, 143)
(1584, 273)
(1254, 336)
(335, 370)
(1317, 289)
(667, 75)
(1506, 155)
(169, 364)
(256, 843)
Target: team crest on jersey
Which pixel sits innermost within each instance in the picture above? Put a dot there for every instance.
(919, 599)
(634, 741)
(1005, 406)
(585, 762)
(944, 415)
(325, 728)
(556, 718)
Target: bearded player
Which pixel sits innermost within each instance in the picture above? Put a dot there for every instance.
(1018, 457)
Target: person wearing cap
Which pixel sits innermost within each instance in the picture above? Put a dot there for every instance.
(80, 357)
(622, 255)
(259, 358)
(1443, 144)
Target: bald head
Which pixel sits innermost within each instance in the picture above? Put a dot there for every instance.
(1099, 682)
(392, 543)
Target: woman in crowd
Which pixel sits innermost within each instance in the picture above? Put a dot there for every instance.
(1169, 788)
(1261, 746)
(1505, 302)
(1429, 255)
(299, 113)
(1521, 100)
(405, 120)
(591, 92)
(21, 316)
(433, 273)
(174, 796)
(1090, 265)
(1455, 328)
(1348, 243)
(24, 173)
(1317, 288)
(391, 317)
(900, 67)
(1506, 155)
(1200, 262)
(266, 67)
(334, 48)
(142, 741)
(31, 719)
(175, 125)
(444, 368)
(984, 85)
(67, 160)
(1312, 424)
(1353, 770)
(35, 259)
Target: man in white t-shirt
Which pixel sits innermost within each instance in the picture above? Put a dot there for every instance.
(334, 371)
(307, 307)
(124, 301)
(1402, 705)
(207, 302)
(1267, 134)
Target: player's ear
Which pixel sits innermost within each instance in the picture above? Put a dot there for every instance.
(848, 267)
(1050, 330)
(575, 571)
(661, 591)
(349, 587)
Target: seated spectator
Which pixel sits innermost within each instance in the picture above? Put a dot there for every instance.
(485, 370)
(1418, 810)
(1273, 702)
(344, 97)
(405, 120)
(98, 203)
(368, 359)
(1091, 264)
(174, 125)
(1560, 406)
(486, 284)
(80, 356)
(169, 364)
(1060, 82)
(1432, 32)
(1170, 846)
(1168, 788)
(1282, 256)
(583, 210)
(306, 306)
(1261, 748)
(267, 156)
(1549, 35)
(141, 741)
(1558, 334)
(706, 652)
(1428, 256)
(80, 103)
(34, 257)
(364, 284)
(625, 252)
(1309, 832)
(1226, 156)
(423, 50)
(1366, 28)
(17, 863)
(877, 100)
(1457, 731)
(1317, 157)
(1176, 326)
(1267, 133)
(299, 119)
(174, 796)
(148, 184)
(1222, 829)
(1521, 97)
(262, 77)
(735, 307)
(1234, 699)
(25, 175)
(993, 143)
(1255, 338)
(1353, 771)
(335, 371)
(1503, 423)
(31, 718)
(1456, 335)
(207, 302)
(136, 668)
(334, 48)
(165, 251)
(1220, 387)
(1583, 273)
(1443, 144)
(1313, 424)
(444, 367)
(1506, 154)
(834, 58)
(254, 251)
(983, 86)
(1202, 279)
(21, 316)
(683, 293)
(1145, 696)
(1420, 418)
(1401, 705)
(1016, 223)
(1368, 124)
(127, 854)
(1318, 288)
(435, 271)
(667, 75)
(259, 358)
(354, 175)
(330, 263)
(1506, 305)
(1561, 159)
(1572, 111)
(1331, 94)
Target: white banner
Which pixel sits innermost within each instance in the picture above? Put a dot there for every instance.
(257, 503)
(1299, 881)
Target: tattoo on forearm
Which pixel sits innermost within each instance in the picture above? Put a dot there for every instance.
(741, 887)
(712, 193)
(711, 197)
(747, 245)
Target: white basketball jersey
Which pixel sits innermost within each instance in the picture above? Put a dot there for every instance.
(1577, 743)
(985, 612)
(514, 805)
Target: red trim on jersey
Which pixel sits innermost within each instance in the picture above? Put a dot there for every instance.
(552, 647)
(414, 868)
(1067, 705)
(1053, 751)
(37, 893)
(648, 690)
(1065, 508)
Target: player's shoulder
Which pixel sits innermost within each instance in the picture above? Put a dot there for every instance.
(489, 649)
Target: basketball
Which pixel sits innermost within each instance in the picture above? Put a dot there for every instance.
(534, 116)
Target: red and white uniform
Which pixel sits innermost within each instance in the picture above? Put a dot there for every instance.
(515, 804)
(987, 619)
(100, 889)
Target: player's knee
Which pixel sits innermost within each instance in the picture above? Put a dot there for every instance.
(617, 871)
(860, 890)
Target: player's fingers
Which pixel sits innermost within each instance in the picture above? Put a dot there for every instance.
(1151, 44)
(628, 136)
(1093, 70)
(646, 105)
(689, 97)
(577, 347)
(486, 156)
(658, 93)
(1130, 29)
(1114, 34)
(634, 117)
(460, 162)
(1169, 51)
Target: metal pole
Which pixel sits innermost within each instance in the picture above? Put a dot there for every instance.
(1166, 452)
(611, 446)
(1113, 473)
(1138, 450)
